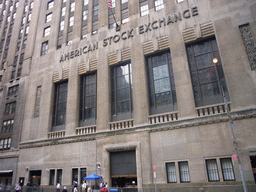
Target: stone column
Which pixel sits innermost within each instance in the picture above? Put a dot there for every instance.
(72, 101)
(140, 92)
(182, 80)
(103, 88)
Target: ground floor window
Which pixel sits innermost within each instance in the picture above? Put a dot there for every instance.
(224, 164)
(6, 179)
(212, 170)
(184, 172)
(171, 172)
(59, 176)
(253, 163)
(74, 175)
(227, 169)
(52, 176)
(82, 174)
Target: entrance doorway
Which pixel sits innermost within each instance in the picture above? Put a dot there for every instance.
(253, 163)
(35, 178)
(123, 169)
(6, 179)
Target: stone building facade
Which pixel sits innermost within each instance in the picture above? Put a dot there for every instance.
(124, 100)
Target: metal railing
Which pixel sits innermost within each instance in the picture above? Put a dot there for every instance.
(206, 188)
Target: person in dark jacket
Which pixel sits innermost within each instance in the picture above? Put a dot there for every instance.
(65, 189)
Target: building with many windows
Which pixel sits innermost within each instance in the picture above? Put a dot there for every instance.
(126, 88)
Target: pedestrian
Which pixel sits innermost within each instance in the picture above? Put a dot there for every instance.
(106, 186)
(65, 189)
(75, 189)
(74, 185)
(84, 185)
(17, 188)
(58, 187)
(28, 186)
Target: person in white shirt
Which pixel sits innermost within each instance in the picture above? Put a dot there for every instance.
(84, 186)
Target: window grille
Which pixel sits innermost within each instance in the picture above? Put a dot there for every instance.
(227, 169)
(184, 172)
(171, 172)
(212, 170)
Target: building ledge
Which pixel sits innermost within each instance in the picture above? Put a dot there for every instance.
(177, 124)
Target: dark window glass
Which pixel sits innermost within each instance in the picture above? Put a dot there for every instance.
(125, 15)
(161, 83)
(52, 176)
(88, 99)
(184, 172)
(59, 176)
(212, 170)
(21, 58)
(7, 126)
(171, 172)
(227, 169)
(206, 77)
(60, 103)
(144, 7)
(5, 143)
(82, 174)
(44, 48)
(121, 92)
(19, 72)
(95, 22)
(124, 11)
(15, 60)
(50, 4)
(10, 108)
(5, 53)
(13, 74)
(74, 175)
(13, 90)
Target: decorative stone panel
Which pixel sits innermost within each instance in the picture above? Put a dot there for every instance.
(121, 124)
(148, 47)
(37, 104)
(82, 68)
(65, 73)
(162, 118)
(201, 31)
(126, 54)
(163, 43)
(86, 130)
(207, 29)
(56, 76)
(93, 64)
(60, 75)
(249, 44)
(112, 58)
(189, 35)
(212, 109)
